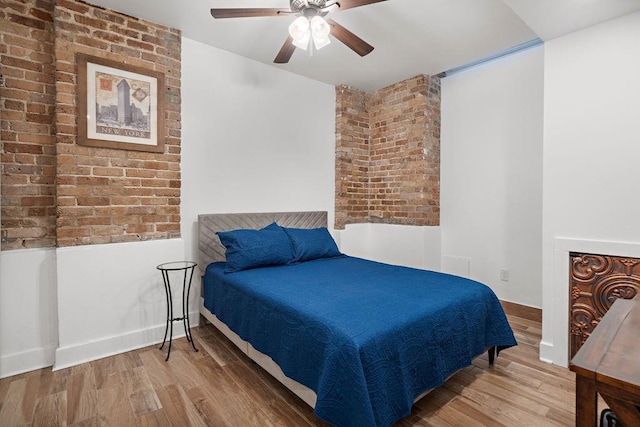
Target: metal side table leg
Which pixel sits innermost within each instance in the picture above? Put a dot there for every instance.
(187, 267)
(185, 307)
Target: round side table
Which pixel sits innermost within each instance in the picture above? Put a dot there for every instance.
(165, 268)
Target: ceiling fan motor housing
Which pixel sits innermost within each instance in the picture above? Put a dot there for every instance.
(301, 5)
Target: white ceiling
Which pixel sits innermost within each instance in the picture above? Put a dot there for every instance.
(410, 37)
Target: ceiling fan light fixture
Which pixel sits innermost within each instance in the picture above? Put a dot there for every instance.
(319, 27)
(320, 42)
(320, 31)
(302, 42)
(302, 30)
(299, 31)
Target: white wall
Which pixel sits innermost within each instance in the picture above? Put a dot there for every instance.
(111, 298)
(28, 323)
(591, 158)
(255, 138)
(491, 174)
(410, 246)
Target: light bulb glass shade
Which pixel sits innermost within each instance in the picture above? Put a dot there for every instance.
(320, 30)
(299, 28)
(320, 42)
(319, 27)
(302, 42)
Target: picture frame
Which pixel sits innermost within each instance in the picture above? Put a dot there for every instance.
(119, 105)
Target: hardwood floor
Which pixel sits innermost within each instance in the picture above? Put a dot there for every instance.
(219, 386)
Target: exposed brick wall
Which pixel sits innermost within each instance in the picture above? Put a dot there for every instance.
(27, 104)
(404, 167)
(109, 195)
(352, 156)
(98, 195)
(388, 154)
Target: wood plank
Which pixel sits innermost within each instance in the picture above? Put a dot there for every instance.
(106, 372)
(561, 417)
(81, 397)
(221, 386)
(138, 388)
(136, 379)
(59, 381)
(531, 360)
(233, 352)
(158, 371)
(51, 410)
(453, 416)
(4, 387)
(298, 405)
(523, 399)
(178, 407)
(185, 371)
(461, 384)
(434, 401)
(113, 406)
(211, 410)
(11, 412)
(523, 311)
(156, 418)
(44, 382)
(514, 387)
(471, 410)
(144, 401)
(564, 382)
(129, 360)
(212, 345)
(31, 393)
(507, 414)
(224, 384)
(258, 391)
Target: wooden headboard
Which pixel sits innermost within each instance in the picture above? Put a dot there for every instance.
(211, 250)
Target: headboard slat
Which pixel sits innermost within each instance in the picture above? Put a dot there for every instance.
(211, 250)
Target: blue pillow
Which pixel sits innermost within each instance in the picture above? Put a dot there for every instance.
(311, 243)
(256, 248)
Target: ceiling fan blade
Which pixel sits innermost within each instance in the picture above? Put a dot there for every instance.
(285, 51)
(352, 41)
(330, 7)
(350, 4)
(248, 13)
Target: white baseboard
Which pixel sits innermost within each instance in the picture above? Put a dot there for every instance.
(547, 354)
(66, 357)
(18, 363)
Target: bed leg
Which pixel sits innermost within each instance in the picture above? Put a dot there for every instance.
(492, 355)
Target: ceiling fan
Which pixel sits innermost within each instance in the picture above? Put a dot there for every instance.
(311, 29)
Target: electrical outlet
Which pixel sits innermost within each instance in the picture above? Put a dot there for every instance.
(504, 275)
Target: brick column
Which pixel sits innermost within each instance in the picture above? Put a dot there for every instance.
(388, 154)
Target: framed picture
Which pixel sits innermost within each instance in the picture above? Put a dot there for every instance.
(119, 106)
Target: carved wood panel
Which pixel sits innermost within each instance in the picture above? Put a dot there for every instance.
(596, 281)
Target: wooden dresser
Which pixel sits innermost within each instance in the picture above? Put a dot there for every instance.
(609, 364)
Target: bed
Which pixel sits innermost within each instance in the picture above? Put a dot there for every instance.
(357, 340)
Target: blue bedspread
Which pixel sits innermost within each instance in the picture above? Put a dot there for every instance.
(367, 337)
